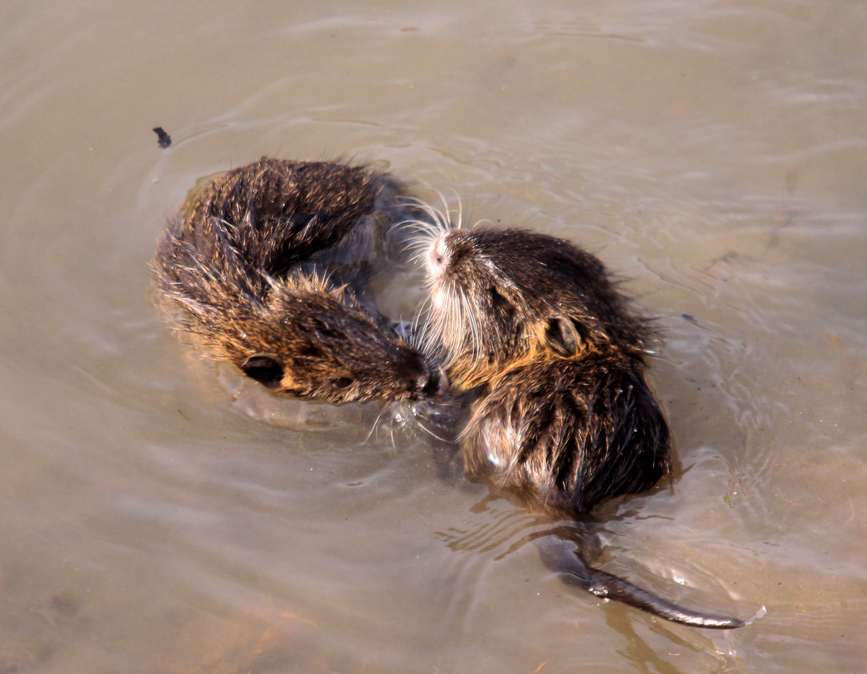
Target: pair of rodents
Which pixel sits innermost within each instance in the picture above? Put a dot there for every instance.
(264, 268)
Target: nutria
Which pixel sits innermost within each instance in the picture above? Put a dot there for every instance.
(247, 269)
(536, 324)
(563, 418)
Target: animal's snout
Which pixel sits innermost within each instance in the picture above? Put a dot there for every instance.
(432, 384)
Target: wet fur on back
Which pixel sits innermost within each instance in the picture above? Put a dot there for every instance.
(572, 432)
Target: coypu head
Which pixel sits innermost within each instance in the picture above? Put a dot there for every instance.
(318, 345)
(306, 340)
(497, 296)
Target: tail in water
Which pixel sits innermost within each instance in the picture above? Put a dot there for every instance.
(611, 587)
(569, 564)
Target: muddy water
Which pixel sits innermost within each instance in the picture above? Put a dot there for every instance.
(156, 517)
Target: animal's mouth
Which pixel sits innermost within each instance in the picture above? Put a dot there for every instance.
(432, 385)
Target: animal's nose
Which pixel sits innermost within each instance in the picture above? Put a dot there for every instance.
(433, 384)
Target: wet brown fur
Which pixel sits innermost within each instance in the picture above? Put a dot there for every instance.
(245, 270)
(571, 432)
(557, 354)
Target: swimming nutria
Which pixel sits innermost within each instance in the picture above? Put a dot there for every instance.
(539, 326)
(245, 269)
(564, 418)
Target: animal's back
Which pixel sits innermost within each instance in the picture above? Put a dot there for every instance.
(569, 433)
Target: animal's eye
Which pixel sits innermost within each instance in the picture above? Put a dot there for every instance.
(264, 369)
(341, 382)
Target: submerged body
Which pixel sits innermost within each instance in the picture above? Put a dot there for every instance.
(247, 269)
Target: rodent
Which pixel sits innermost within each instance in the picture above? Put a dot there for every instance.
(563, 418)
(256, 269)
(536, 324)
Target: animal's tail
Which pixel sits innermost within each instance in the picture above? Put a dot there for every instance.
(574, 571)
(612, 587)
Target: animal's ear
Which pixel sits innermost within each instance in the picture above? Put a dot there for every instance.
(562, 335)
(265, 369)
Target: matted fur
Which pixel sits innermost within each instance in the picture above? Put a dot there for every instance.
(537, 326)
(233, 272)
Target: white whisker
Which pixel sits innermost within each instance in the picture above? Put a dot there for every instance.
(439, 219)
(430, 432)
(460, 210)
(375, 424)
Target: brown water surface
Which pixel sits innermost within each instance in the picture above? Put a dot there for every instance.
(156, 518)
